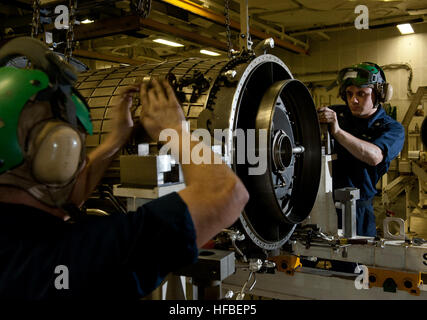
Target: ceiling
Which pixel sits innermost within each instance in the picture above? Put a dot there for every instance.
(122, 35)
(303, 14)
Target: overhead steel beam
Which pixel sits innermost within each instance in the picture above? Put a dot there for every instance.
(106, 27)
(324, 35)
(18, 4)
(218, 18)
(373, 24)
(191, 36)
(120, 25)
(16, 22)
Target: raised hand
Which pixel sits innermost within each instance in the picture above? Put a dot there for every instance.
(160, 108)
(122, 116)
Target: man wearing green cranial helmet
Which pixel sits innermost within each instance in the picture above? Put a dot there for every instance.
(32, 100)
(365, 75)
(366, 139)
(49, 248)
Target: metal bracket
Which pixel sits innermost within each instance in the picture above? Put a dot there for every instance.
(264, 46)
(245, 41)
(287, 264)
(347, 198)
(386, 228)
(391, 280)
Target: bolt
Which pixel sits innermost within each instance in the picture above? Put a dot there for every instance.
(230, 74)
(298, 150)
(229, 294)
(269, 43)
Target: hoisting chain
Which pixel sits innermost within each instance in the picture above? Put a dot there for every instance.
(142, 7)
(244, 58)
(36, 19)
(227, 28)
(70, 32)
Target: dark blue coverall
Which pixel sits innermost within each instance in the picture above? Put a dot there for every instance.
(121, 257)
(348, 171)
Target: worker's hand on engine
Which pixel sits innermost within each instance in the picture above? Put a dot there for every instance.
(329, 116)
(159, 108)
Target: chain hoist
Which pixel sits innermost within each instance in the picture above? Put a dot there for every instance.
(35, 24)
(142, 7)
(70, 32)
(227, 28)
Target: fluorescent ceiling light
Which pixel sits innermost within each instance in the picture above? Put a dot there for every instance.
(209, 53)
(405, 28)
(86, 21)
(168, 43)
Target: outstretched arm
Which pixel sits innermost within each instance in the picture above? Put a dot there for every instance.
(99, 159)
(215, 196)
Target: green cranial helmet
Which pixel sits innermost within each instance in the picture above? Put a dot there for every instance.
(365, 74)
(47, 79)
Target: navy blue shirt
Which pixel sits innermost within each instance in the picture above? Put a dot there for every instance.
(123, 256)
(381, 130)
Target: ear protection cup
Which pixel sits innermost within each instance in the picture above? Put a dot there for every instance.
(57, 154)
(387, 92)
(384, 91)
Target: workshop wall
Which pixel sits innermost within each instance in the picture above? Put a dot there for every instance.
(347, 47)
